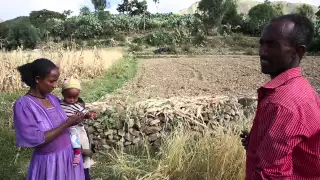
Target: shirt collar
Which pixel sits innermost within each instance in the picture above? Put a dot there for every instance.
(283, 78)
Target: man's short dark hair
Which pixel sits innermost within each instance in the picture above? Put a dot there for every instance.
(303, 31)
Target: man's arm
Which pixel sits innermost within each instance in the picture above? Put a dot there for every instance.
(282, 135)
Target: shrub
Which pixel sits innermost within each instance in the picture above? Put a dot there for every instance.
(187, 48)
(316, 41)
(23, 34)
(250, 52)
(135, 47)
(260, 15)
(119, 37)
(199, 39)
(161, 38)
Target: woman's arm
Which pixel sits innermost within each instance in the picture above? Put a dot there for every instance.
(87, 152)
(53, 133)
(28, 132)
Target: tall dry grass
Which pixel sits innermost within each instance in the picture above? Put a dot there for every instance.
(82, 64)
(216, 155)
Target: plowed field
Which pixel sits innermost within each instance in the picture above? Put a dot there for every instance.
(214, 75)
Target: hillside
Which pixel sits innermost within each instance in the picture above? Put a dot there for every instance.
(245, 5)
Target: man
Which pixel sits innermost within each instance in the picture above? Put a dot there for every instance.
(284, 142)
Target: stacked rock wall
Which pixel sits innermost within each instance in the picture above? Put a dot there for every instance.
(153, 119)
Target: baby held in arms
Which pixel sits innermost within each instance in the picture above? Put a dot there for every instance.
(70, 91)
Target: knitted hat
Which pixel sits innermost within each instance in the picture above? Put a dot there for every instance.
(71, 83)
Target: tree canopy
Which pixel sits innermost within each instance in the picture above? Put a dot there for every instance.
(133, 7)
(305, 10)
(213, 11)
(100, 5)
(260, 15)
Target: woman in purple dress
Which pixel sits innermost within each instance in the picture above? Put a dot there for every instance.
(40, 123)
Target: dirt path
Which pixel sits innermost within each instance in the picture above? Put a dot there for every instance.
(215, 75)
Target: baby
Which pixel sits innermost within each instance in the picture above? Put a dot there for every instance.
(71, 105)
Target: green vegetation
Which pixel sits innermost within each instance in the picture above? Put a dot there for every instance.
(120, 72)
(218, 24)
(259, 16)
(14, 161)
(133, 8)
(245, 5)
(305, 10)
(135, 24)
(213, 11)
(318, 13)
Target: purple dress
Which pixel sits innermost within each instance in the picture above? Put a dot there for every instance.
(52, 161)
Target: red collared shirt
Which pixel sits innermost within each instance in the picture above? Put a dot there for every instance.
(285, 138)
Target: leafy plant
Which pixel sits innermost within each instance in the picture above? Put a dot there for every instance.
(213, 11)
(23, 34)
(305, 10)
(316, 42)
(259, 16)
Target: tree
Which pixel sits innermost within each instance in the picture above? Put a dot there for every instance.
(67, 13)
(6, 25)
(134, 7)
(138, 7)
(100, 5)
(213, 11)
(38, 18)
(318, 13)
(84, 11)
(156, 2)
(259, 16)
(23, 34)
(305, 10)
(232, 17)
(315, 47)
(125, 7)
(279, 8)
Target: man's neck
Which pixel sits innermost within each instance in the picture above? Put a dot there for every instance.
(272, 76)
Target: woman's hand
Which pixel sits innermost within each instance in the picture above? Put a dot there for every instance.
(75, 119)
(245, 139)
(91, 115)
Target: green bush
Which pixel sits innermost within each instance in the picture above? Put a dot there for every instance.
(199, 39)
(119, 37)
(161, 38)
(315, 47)
(22, 34)
(187, 48)
(259, 16)
(135, 47)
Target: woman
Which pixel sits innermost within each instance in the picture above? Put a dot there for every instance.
(40, 123)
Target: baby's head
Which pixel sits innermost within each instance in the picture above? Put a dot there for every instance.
(71, 90)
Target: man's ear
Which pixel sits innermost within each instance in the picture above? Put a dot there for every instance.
(301, 51)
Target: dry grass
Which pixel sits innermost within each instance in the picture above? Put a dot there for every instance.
(84, 64)
(182, 156)
(213, 153)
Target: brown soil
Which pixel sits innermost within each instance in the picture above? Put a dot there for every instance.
(215, 75)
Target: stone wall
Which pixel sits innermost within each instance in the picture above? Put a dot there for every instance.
(150, 120)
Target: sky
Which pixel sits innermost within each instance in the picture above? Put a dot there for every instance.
(13, 8)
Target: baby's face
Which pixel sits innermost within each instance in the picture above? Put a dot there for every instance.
(71, 95)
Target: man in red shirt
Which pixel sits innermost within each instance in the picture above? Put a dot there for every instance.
(284, 142)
